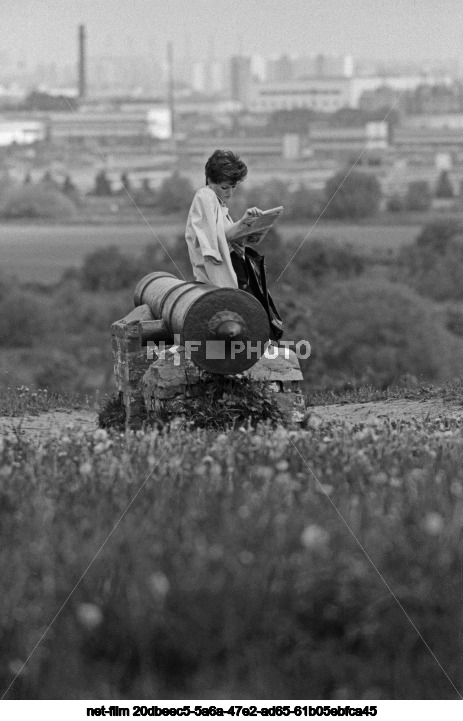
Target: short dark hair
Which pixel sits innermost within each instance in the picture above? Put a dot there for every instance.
(225, 167)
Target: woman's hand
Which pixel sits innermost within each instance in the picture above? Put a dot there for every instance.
(252, 213)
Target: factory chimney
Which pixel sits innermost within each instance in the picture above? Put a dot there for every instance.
(82, 63)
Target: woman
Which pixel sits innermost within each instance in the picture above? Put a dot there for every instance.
(215, 259)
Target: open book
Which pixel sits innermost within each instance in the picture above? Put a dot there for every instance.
(254, 229)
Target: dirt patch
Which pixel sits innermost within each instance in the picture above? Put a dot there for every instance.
(48, 424)
(56, 422)
(352, 413)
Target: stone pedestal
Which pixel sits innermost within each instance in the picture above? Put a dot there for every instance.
(131, 359)
(174, 377)
(281, 375)
(170, 376)
(149, 384)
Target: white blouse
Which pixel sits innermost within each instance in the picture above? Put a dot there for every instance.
(207, 222)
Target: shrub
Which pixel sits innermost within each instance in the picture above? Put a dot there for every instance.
(22, 319)
(60, 372)
(353, 195)
(378, 332)
(434, 262)
(303, 203)
(395, 203)
(102, 184)
(70, 190)
(36, 201)
(322, 257)
(267, 195)
(319, 259)
(7, 184)
(175, 194)
(418, 195)
(144, 196)
(444, 187)
(109, 269)
(435, 236)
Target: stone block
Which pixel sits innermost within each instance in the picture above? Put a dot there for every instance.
(168, 377)
(283, 368)
(292, 405)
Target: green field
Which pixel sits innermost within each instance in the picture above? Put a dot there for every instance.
(263, 563)
(43, 252)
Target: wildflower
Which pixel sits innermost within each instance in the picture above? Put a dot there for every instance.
(456, 489)
(159, 584)
(101, 447)
(297, 416)
(264, 473)
(380, 478)
(416, 474)
(285, 480)
(216, 551)
(246, 558)
(85, 468)
(16, 666)
(100, 435)
(314, 537)
(282, 465)
(325, 488)
(89, 615)
(314, 421)
(433, 523)
(215, 470)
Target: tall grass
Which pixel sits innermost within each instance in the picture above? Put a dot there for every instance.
(320, 563)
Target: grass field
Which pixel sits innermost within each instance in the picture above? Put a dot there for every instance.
(41, 253)
(300, 564)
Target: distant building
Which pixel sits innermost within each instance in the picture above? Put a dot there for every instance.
(442, 121)
(259, 68)
(372, 138)
(21, 132)
(260, 147)
(322, 65)
(198, 77)
(436, 99)
(422, 144)
(400, 83)
(372, 101)
(240, 79)
(101, 128)
(216, 77)
(280, 70)
(320, 94)
(115, 75)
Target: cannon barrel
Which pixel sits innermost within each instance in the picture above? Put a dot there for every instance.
(227, 328)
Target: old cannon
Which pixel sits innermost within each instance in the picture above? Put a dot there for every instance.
(225, 330)
(218, 325)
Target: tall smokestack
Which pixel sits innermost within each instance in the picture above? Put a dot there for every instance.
(170, 84)
(82, 62)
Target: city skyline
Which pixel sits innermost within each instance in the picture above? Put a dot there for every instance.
(42, 31)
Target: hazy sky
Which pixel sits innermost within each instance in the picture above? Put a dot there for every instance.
(45, 30)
